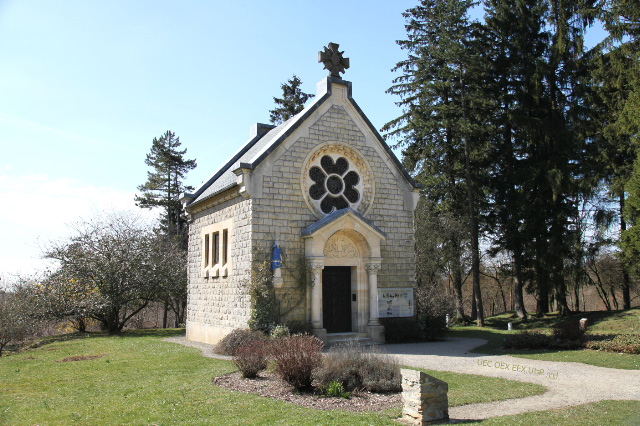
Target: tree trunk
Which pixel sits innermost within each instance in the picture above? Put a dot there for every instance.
(474, 307)
(164, 315)
(542, 299)
(473, 226)
(626, 294)
(521, 312)
(457, 285)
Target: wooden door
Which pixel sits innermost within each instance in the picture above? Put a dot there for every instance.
(336, 298)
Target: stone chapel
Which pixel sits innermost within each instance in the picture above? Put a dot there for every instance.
(325, 187)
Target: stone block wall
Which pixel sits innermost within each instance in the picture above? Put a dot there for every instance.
(281, 213)
(217, 305)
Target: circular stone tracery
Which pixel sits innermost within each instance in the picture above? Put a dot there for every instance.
(335, 184)
(336, 177)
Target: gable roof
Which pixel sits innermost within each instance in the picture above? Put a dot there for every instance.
(332, 217)
(268, 138)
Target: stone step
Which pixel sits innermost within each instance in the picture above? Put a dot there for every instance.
(334, 339)
(351, 335)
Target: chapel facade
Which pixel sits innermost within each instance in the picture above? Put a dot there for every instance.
(324, 187)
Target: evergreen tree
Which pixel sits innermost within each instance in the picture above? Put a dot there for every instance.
(165, 182)
(616, 80)
(291, 103)
(518, 45)
(441, 125)
(162, 189)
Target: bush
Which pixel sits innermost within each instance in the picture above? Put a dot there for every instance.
(356, 368)
(402, 330)
(528, 340)
(296, 357)
(299, 327)
(237, 338)
(568, 331)
(280, 331)
(432, 306)
(251, 358)
(264, 314)
(624, 343)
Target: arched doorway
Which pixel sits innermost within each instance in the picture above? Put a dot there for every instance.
(343, 254)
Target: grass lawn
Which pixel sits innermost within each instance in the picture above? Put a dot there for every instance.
(141, 380)
(602, 322)
(603, 413)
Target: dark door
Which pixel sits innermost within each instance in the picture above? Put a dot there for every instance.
(336, 298)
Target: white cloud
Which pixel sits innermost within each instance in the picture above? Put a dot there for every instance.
(36, 209)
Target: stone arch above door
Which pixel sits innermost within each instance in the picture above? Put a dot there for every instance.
(343, 231)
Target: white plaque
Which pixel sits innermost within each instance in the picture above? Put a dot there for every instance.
(395, 302)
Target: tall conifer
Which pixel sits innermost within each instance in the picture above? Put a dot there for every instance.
(440, 128)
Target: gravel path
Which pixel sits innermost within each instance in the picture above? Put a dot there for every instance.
(568, 383)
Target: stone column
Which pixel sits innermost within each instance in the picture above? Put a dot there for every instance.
(372, 271)
(316, 266)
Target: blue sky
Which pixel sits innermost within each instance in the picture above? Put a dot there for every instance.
(85, 87)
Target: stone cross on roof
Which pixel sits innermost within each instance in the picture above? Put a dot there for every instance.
(333, 60)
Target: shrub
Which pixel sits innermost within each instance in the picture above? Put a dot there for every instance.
(528, 340)
(251, 358)
(280, 331)
(432, 305)
(299, 327)
(296, 357)
(237, 338)
(356, 368)
(402, 330)
(568, 331)
(625, 343)
(264, 314)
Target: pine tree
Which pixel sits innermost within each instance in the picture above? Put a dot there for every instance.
(165, 181)
(162, 190)
(440, 128)
(616, 77)
(291, 103)
(517, 43)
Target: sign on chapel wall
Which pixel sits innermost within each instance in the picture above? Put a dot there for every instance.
(395, 302)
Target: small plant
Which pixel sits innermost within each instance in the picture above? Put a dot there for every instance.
(280, 331)
(237, 338)
(335, 390)
(296, 357)
(251, 358)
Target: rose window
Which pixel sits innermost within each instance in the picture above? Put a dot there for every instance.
(334, 184)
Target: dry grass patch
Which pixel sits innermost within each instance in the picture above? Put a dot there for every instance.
(80, 358)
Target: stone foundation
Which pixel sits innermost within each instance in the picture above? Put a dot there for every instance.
(424, 398)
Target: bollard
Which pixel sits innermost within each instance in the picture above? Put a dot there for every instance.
(510, 326)
(583, 324)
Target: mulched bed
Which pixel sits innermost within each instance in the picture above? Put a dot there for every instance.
(269, 385)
